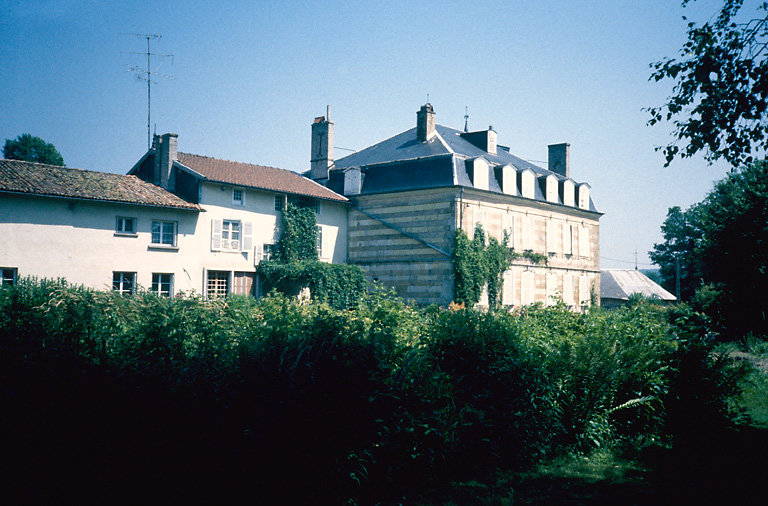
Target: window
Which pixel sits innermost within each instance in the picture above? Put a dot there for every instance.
(124, 283)
(217, 284)
(568, 289)
(320, 241)
(162, 284)
(551, 288)
(125, 225)
(305, 203)
(8, 276)
(567, 239)
(268, 251)
(238, 196)
(527, 288)
(164, 233)
(279, 202)
(508, 288)
(230, 235)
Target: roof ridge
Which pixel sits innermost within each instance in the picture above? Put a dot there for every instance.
(235, 161)
(60, 166)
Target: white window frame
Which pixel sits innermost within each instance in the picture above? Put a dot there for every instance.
(8, 276)
(231, 235)
(238, 201)
(120, 225)
(122, 278)
(163, 224)
(161, 280)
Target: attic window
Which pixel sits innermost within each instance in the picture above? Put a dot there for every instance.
(238, 196)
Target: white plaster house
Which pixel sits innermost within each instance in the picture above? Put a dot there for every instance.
(176, 222)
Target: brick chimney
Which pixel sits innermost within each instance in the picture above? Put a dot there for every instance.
(321, 158)
(425, 122)
(166, 153)
(560, 159)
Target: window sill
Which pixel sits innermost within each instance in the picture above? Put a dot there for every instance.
(163, 247)
(126, 234)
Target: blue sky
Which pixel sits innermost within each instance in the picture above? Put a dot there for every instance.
(249, 77)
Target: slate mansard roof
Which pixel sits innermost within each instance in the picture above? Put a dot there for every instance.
(403, 163)
(254, 176)
(53, 181)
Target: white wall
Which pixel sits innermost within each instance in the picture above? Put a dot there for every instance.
(76, 240)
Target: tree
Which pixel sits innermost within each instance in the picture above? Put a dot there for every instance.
(723, 243)
(719, 99)
(32, 149)
(682, 240)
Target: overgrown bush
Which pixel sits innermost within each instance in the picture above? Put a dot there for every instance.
(197, 400)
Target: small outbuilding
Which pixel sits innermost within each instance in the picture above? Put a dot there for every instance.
(616, 285)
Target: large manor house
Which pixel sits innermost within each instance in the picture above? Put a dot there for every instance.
(178, 222)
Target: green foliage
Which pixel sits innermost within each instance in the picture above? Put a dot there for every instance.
(298, 235)
(340, 285)
(296, 266)
(720, 94)
(32, 149)
(720, 242)
(271, 398)
(481, 263)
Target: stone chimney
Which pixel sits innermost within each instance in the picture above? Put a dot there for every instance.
(166, 152)
(321, 158)
(483, 139)
(425, 122)
(560, 159)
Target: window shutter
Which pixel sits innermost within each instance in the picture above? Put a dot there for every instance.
(584, 295)
(508, 289)
(215, 235)
(551, 287)
(527, 233)
(247, 242)
(551, 237)
(567, 239)
(584, 242)
(527, 294)
(568, 289)
(257, 253)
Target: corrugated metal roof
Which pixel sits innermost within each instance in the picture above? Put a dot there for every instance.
(621, 283)
(256, 176)
(50, 180)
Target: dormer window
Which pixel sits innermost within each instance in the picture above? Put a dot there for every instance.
(584, 196)
(238, 196)
(479, 174)
(551, 189)
(526, 183)
(569, 189)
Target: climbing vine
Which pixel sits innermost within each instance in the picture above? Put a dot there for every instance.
(479, 263)
(295, 265)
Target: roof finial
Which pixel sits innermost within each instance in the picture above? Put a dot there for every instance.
(466, 119)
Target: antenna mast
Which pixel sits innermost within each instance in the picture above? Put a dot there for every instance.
(147, 74)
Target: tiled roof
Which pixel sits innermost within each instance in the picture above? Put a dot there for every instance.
(256, 176)
(50, 180)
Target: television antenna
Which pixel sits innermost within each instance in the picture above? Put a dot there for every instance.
(147, 75)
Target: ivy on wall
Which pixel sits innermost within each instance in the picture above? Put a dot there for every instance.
(478, 263)
(296, 266)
